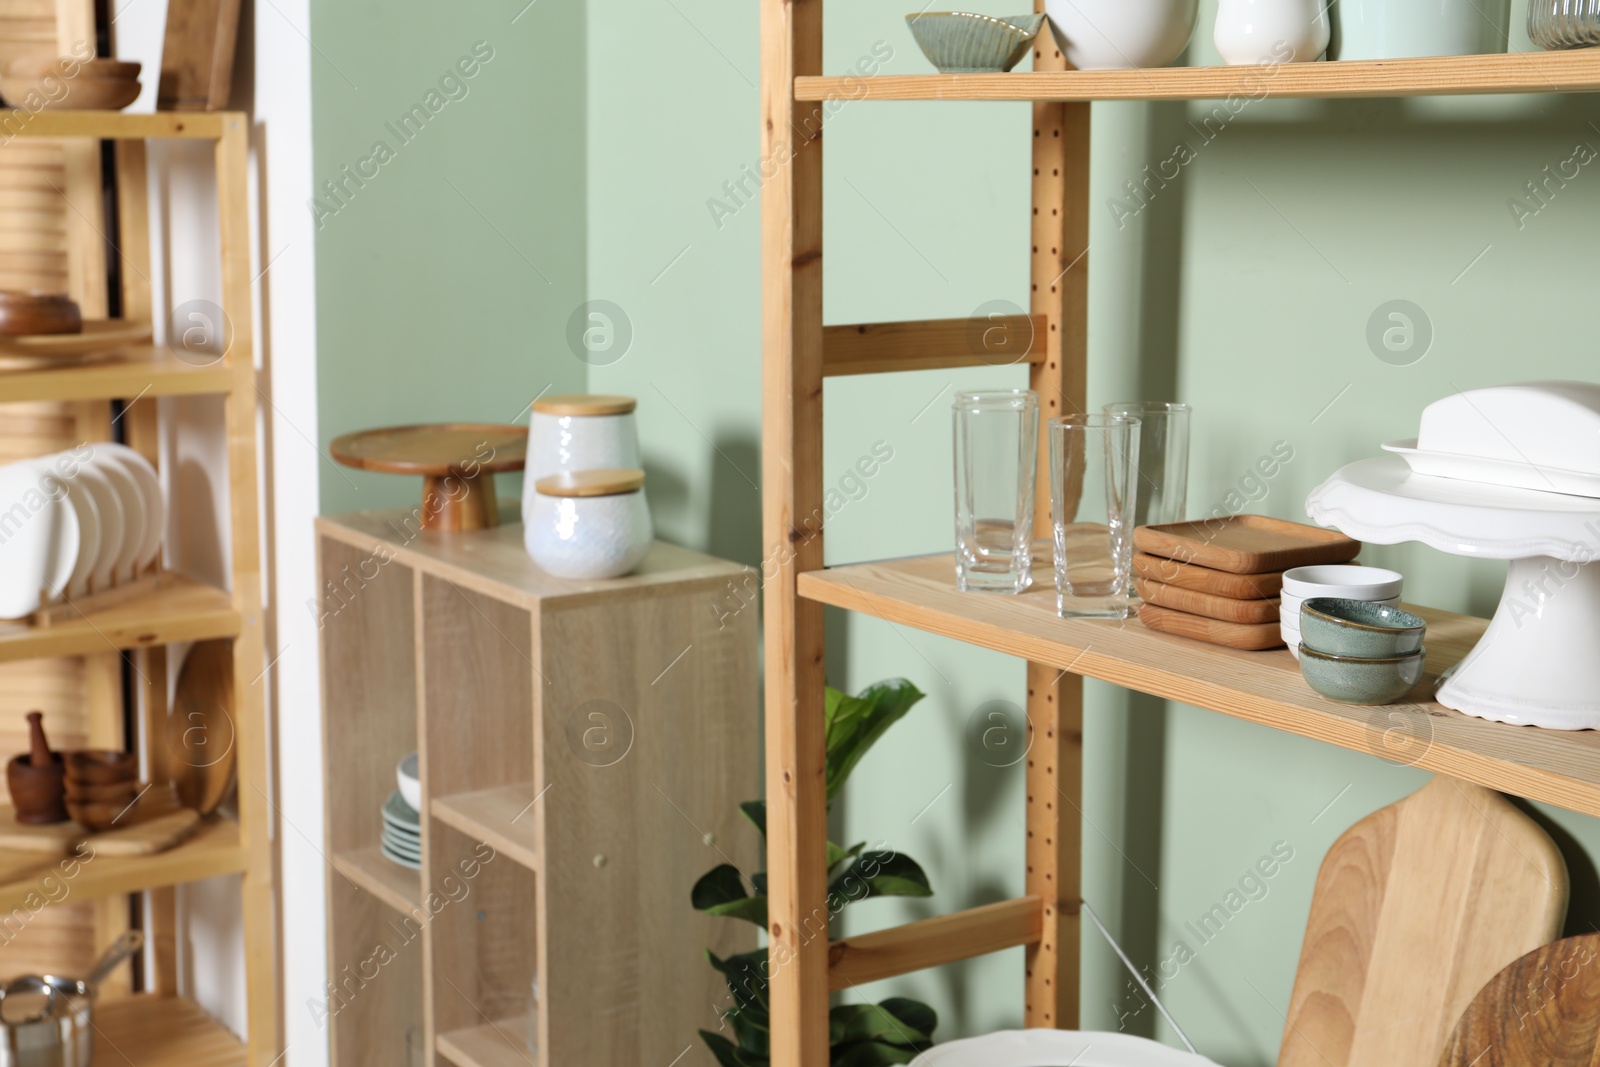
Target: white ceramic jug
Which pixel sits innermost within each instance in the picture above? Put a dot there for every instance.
(1271, 31)
(1117, 34)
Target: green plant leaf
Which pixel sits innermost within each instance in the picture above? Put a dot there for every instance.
(854, 724)
(746, 978)
(725, 1052)
(873, 1022)
(759, 881)
(879, 873)
(872, 1054)
(838, 854)
(913, 1014)
(720, 885)
(750, 909)
(756, 812)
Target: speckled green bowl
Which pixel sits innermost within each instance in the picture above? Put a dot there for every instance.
(960, 42)
(1350, 680)
(1342, 627)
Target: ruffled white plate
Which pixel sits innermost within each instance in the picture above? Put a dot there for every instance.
(1494, 471)
(1057, 1048)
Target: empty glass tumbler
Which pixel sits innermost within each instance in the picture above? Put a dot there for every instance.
(1557, 24)
(996, 463)
(1093, 493)
(1163, 472)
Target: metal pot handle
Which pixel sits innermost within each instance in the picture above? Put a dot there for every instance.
(130, 942)
(30, 984)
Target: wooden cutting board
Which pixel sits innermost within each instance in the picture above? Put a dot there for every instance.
(1415, 908)
(200, 734)
(153, 824)
(1206, 580)
(1543, 1009)
(1224, 609)
(1250, 637)
(1246, 544)
(146, 838)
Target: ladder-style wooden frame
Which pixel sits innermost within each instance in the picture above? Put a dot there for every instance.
(798, 353)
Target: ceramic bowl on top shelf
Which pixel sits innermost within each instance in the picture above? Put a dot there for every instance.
(1359, 628)
(1361, 680)
(1120, 34)
(1401, 29)
(1271, 31)
(962, 42)
(26, 313)
(406, 776)
(589, 524)
(1349, 581)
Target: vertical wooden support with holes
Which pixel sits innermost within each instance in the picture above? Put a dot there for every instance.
(1060, 290)
(791, 461)
(249, 666)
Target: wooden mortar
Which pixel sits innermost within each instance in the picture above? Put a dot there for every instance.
(37, 780)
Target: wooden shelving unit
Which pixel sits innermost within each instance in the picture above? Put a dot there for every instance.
(799, 352)
(159, 1027)
(584, 747)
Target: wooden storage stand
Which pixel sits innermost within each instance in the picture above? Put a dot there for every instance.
(798, 352)
(161, 1028)
(584, 749)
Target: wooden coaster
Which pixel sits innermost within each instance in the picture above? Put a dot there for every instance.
(1246, 544)
(1221, 608)
(1251, 638)
(1206, 580)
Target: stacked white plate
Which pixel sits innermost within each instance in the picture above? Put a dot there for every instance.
(402, 832)
(76, 523)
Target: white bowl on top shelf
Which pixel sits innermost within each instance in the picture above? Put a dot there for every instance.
(410, 782)
(1121, 34)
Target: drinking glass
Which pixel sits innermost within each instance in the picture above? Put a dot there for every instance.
(1163, 471)
(1564, 23)
(1093, 493)
(996, 457)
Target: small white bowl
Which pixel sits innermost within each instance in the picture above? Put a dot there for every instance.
(405, 774)
(1344, 580)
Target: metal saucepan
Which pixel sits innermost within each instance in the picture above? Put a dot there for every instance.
(46, 1021)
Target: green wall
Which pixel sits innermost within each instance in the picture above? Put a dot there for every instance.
(445, 281)
(1244, 287)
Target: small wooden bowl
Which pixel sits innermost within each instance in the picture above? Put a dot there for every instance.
(98, 815)
(100, 766)
(36, 792)
(24, 314)
(32, 68)
(93, 793)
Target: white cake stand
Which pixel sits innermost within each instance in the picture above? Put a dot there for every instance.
(1539, 662)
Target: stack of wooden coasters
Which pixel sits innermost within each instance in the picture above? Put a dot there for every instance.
(1218, 580)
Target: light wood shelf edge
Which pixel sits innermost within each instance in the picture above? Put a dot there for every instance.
(144, 371)
(181, 610)
(495, 816)
(496, 1044)
(1513, 72)
(122, 125)
(398, 887)
(160, 1031)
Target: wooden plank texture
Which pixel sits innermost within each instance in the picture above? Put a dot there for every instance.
(197, 56)
(934, 942)
(144, 371)
(873, 348)
(1558, 767)
(1544, 1009)
(501, 816)
(1415, 908)
(182, 610)
(1518, 72)
(153, 1031)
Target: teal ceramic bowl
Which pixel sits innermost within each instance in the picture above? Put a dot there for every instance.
(1341, 627)
(1350, 680)
(960, 42)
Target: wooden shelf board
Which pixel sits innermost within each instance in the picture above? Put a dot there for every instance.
(1514, 72)
(144, 371)
(502, 817)
(123, 125)
(1558, 767)
(490, 1045)
(29, 878)
(397, 886)
(157, 1031)
(182, 610)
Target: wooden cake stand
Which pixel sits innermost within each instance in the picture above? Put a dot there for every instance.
(452, 459)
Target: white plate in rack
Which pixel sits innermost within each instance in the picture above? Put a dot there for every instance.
(38, 538)
(1494, 471)
(1057, 1048)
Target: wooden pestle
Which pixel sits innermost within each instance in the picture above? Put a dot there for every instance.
(41, 755)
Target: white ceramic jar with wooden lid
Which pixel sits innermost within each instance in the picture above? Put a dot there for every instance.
(588, 524)
(582, 433)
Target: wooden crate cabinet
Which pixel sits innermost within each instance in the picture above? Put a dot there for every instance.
(584, 749)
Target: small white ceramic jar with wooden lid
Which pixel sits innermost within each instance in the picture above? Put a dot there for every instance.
(588, 524)
(582, 433)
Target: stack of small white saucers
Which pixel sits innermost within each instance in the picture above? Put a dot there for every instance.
(1347, 581)
(76, 523)
(402, 825)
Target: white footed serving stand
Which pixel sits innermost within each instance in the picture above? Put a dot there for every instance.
(1538, 664)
